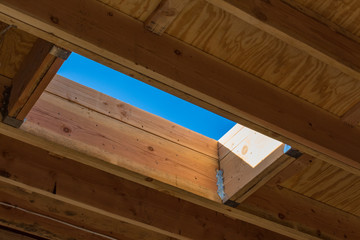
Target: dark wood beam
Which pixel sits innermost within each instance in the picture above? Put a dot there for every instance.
(179, 68)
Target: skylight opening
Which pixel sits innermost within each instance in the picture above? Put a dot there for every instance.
(141, 95)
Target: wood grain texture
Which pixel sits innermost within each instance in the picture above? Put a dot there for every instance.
(96, 196)
(230, 39)
(208, 81)
(352, 116)
(345, 14)
(123, 145)
(328, 184)
(164, 15)
(121, 111)
(34, 69)
(301, 212)
(14, 46)
(7, 234)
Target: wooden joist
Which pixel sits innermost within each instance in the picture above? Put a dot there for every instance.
(179, 68)
(276, 202)
(60, 188)
(248, 160)
(300, 28)
(123, 141)
(36, 71)
(352, 117)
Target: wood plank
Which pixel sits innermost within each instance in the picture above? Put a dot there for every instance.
(296, 210)
(300, 30)
(54, 149)
(89, 196)
(124, 112)
(15, 44)
(7, 233)
(248, 160)
(36, 71)
(352, 116)
(123, 145)
(50, 216)
(328, 184)
(212, 84)
(164, 15)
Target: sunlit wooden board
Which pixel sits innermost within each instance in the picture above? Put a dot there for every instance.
(14, 46)
(227, 37)
(328, 184)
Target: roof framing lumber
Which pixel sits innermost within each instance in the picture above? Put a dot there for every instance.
(36, 71)
(181, 69)
(248, 160)
(59, 151)
(120, 143)
(319, 38)
(352, 116)
(90, 196)
(273, 201)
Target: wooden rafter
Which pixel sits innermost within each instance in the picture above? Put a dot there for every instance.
(36, 71)
(352, 116)
(188, 72)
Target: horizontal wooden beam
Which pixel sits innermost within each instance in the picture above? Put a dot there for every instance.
(179, 68)
(58, 151)
(302, 29)
(122, 144)
(86, 197)
(36, 71)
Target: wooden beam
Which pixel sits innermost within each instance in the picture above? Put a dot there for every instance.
(352, 116)
(164, 15)
(179, 68)
(81, 195)
(59, 151)
(273, 201)
(321, 39)
(78, 127)
(248, 160)
(7, 233)
(131, 115)
(36, 71)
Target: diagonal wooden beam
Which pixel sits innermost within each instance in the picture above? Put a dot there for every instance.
(352, 116)
(36, 71)
(286, 21)
(181, 69)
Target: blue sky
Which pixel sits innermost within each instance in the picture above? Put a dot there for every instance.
(146, 97)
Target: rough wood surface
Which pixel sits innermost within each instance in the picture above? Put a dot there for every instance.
(80, 128)
(90, 197)
(164, 15)
(328, 184)
(14, 46)
(224, 88)
(109, 106)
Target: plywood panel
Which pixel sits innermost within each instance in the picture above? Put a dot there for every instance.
(219, 33)
(14, 45)
(343, 13)
(328, 184)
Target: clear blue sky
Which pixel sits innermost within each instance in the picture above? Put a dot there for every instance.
(146, 97)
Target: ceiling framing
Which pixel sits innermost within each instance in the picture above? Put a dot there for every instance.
(86, 166)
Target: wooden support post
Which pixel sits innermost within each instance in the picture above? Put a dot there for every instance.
(164, 15)
(248, 160)
(36, 71)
